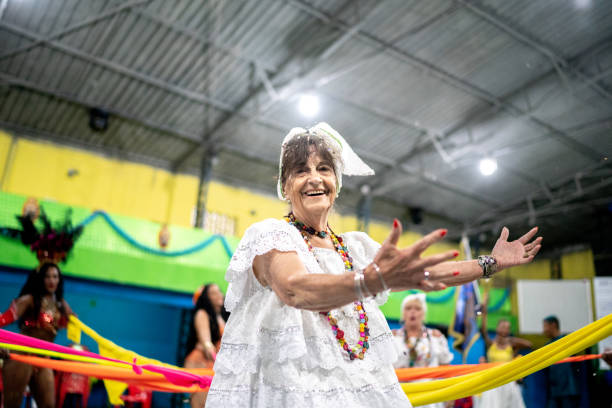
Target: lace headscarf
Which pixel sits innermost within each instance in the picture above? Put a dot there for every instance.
(346, 160)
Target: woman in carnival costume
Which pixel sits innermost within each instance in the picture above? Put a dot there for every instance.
(305, 328)
(40, 308)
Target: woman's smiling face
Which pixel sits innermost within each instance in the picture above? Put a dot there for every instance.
(311, 187)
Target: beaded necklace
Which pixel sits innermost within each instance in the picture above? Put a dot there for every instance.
(359, 350)
(304, 228)
(412, 348)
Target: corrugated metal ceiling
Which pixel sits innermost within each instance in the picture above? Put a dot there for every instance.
(422, 89)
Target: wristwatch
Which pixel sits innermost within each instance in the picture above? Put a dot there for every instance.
(488, 265)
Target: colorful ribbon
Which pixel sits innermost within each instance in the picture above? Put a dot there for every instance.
(460, 381)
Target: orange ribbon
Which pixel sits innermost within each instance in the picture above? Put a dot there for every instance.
(157, 382)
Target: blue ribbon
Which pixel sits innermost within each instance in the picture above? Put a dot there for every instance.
(186, 251)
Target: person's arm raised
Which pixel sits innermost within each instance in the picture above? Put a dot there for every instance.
(506, 253)
(286, 275)
(483, 323)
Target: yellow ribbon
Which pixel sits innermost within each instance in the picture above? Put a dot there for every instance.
(475, 383)
(109, 349)
(64, 356)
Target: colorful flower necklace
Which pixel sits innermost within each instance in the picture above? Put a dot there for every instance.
(363, 344)
(412, 348)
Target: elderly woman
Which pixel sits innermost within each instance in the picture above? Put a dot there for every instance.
(305, 328)
(420, 346)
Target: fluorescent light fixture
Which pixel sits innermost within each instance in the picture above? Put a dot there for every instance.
(582, 4)
(488, 166)
(308, 105)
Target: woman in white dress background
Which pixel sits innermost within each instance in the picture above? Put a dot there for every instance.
(304, 329)
(418, 345)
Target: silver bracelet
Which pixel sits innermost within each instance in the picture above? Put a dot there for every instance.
(380, 277)
(358, 290)
(488, 265)
(365, 287)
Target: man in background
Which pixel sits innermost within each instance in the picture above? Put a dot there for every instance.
(563, 389)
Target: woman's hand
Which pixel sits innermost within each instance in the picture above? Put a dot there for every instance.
(210, 351)
(518, 252)
(405, 268)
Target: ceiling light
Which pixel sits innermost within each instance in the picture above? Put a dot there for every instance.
(582, 4)
(488, 166)
(308, 105)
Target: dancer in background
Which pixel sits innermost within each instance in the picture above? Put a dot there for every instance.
(420, 346)
(502, 348)
(207, 325)
(41, 311)
(40, 307)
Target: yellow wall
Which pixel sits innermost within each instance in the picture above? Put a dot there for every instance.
(578, 265)
(539, 269)
(40, 169)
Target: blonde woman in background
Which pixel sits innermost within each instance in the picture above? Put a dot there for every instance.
(418, 345)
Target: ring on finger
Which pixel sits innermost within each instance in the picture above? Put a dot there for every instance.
(427, 274)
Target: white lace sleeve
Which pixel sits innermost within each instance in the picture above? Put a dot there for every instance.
(260, 238)
(363, 249)
(445, 356)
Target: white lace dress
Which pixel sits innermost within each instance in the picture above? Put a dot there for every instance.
(274, 355)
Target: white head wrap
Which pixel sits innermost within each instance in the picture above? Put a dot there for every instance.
(349, 163)
(412, 297)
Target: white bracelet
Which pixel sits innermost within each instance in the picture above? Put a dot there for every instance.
(365, 287)
(358, 290)
(380, 277)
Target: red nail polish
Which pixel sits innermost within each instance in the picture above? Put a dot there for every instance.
(455, 273)
(395, 223)
(456, 253)
(443, 232)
